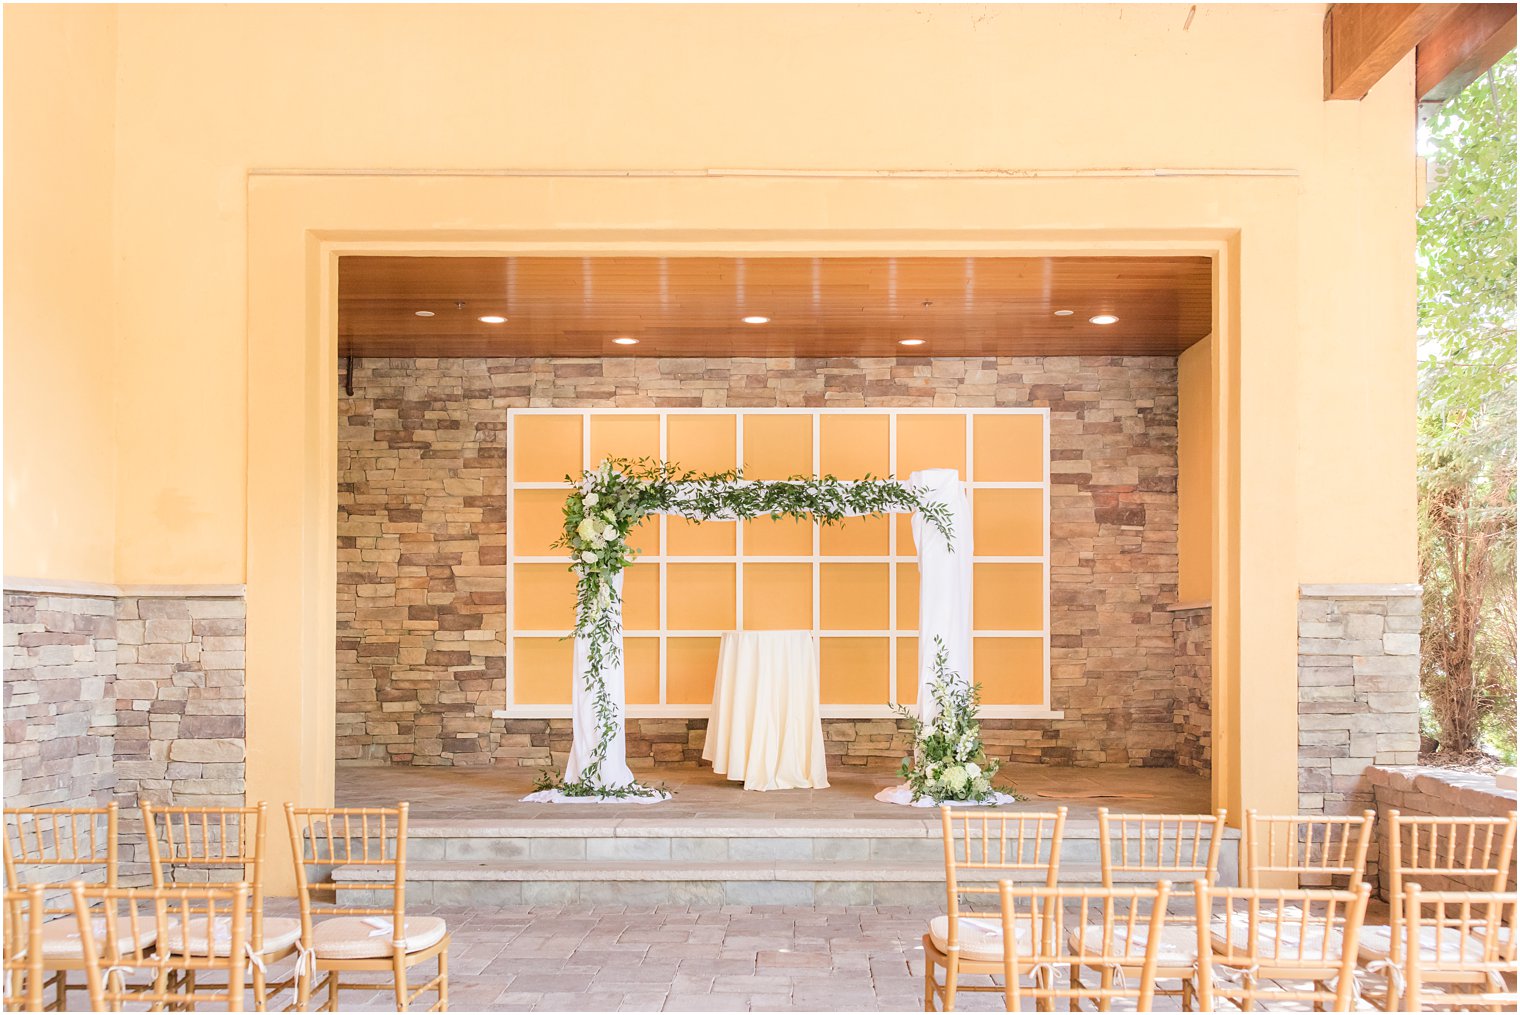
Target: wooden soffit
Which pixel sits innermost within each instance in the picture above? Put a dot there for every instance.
(1453, 44)
(817, 307)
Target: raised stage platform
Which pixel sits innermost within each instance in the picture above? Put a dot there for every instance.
(473, 841)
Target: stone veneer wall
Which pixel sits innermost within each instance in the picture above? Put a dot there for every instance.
(1193, 670)
(1435, 792)
(1358, 690)
(421, 530)
(120, 698)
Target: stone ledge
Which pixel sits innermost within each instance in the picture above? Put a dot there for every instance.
(1470, 792)
(106, 590)
(1357, 591)
(1202, 604)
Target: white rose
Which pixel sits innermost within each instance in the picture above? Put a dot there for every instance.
(973, 769)
(588, 557)
(609, 533)
(586, 529)
(591, 499)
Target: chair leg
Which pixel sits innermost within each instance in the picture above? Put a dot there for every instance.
(332, 990)
(952, 971)
(1075, 976)
(443, 980)
(928, 983)
(1105, 983)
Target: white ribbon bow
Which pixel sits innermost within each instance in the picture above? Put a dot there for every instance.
(382, 927)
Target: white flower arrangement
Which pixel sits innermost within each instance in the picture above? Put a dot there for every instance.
(949, 763)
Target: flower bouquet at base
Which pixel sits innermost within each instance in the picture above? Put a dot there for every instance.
(949, 763)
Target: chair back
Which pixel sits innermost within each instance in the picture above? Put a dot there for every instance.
(219, 843)
(1252, 939)
(1445, 853)
(159, 934)
(327, 839)
(1178, 847)
(25, 912)
(980, 846)
(1109, 930)
(72, 843)
(1316, 851)
(1462, 936)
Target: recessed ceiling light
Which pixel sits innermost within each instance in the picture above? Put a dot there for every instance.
(757, 319)
(424, 313)
(492, 319)
(625, 341)
(910, 341)
(1103, 319)
(1064, 313)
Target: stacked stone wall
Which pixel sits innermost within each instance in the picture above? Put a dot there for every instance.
(1192, 640)
(422, 555)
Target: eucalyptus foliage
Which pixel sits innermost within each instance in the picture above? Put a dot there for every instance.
(1467, 427)
(949, 762)
(609, 501)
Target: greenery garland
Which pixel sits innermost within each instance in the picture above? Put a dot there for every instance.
(610, 500)
(949, 762)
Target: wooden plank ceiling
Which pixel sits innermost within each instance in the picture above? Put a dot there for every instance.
(818, 307)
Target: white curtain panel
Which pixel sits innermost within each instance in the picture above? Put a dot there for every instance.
(585, 728)
(944, 583)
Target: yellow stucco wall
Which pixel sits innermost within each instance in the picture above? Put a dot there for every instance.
(60, 435)
(1314, 370)
(1195, 473)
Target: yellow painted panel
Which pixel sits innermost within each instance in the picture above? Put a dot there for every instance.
(614, 435)
(853, 597)
(907, 671)
(853, 671)
(1010, 670)
(1008, 523)
(538, 519)
(855, 537)
(931, 442)
(700, 597)
(541, 671)
(907, 597)
(641, 670)
(543, 597)
(1008, 447)
(1008, 597)
(701, 442)
(1195, 473)
(778, 446)
(905, 544)
(645, 536)
(853, 446)
(778, 597)
(783, 537)
(690, 666)
(698, 539)
(545, 449)
(641, 597)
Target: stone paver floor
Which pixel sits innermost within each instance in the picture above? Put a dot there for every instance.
(674, 958)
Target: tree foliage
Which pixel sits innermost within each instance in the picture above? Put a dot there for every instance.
(1467, 474)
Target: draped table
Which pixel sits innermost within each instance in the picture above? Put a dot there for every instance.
(765, 727)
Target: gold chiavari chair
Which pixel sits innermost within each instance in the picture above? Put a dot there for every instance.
(1445, 853)
(55, 846)
(1471, 948)
(980, 846)
(1251, 940)
(361, 938)
(205, 840)
(1315, 851)
(1171, 846)
(1109, 930)
(25, 912)
(173, 973)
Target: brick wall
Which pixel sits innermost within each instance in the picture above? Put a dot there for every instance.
(421, 655)
(123, 697)
(1192, 637)
(1358, 690)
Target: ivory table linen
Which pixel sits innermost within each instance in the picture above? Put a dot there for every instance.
(765, 726)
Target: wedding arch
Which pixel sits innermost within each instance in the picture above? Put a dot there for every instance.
(608, 502)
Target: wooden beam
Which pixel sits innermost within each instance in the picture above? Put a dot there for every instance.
(1365, 41)
(1467, 42)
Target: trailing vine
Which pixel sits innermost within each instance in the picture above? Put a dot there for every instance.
(609, 501)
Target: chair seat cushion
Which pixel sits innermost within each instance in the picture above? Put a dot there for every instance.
(979, 940)
(371, 937)
(1298, 943)
(60, 938)
(1178, 945)
(1374, 945)
(279, 934)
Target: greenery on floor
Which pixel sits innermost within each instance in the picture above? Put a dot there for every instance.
(1467, 420)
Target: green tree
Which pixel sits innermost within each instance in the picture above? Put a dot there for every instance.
(1467, 417)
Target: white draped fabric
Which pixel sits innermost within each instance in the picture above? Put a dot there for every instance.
(944, 583)
(585, 727)
(765, 727)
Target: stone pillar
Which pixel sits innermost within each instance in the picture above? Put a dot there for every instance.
(1358, 690)
(1193, 677)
